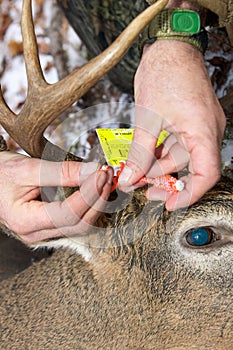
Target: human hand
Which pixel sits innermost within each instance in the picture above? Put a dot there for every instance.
(173, 91)
(34, 220)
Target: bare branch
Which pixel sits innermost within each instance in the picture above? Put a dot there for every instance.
(54, 32)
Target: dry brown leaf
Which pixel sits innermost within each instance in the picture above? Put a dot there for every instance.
(39, 2)
(48, 66)
(15, 48)
(44, 48)
(5, 21)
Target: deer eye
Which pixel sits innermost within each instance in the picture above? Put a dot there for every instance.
(200, 237)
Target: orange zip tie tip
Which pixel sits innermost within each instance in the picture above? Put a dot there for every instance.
(167, 183)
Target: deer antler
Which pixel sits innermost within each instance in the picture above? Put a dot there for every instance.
(44, 101)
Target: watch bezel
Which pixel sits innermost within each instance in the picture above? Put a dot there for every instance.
(194, 27)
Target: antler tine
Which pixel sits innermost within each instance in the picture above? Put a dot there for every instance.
(34, 72)
(5, 111)
(45, 102)
(7, 117)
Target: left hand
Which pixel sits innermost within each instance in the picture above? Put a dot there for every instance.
(33, 220)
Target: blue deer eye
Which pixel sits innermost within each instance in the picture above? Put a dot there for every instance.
(200, 237)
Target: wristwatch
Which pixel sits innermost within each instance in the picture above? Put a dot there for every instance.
(176, 24)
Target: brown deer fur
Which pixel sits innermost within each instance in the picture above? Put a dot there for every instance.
(148, 290)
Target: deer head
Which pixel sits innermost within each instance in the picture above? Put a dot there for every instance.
(147, 285)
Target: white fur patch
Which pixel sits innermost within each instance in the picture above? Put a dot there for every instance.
(73, 243)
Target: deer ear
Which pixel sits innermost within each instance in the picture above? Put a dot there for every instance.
(83, 246)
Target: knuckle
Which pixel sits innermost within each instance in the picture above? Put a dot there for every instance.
(68, 173)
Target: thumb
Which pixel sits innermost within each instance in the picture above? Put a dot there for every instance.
(140, 158)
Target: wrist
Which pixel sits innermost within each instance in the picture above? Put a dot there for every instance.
(175, 52)
(164, 64)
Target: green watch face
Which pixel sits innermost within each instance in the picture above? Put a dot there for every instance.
(186, 21)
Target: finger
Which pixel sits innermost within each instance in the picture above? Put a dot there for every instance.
(195, 187)
(85, 225)
(91, 215)
(66, 173)
(204, 168)
(74, 207)
(157, 195)
(138, 163)
(80, 229)
(37, 215)
(173, 161)
(36, 172)
(205, 171)
(167, 144)
(148, 126)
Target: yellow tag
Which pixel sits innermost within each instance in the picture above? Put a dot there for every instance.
(162, 137)
(116, 143)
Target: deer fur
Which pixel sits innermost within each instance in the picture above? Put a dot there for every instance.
(138, 286)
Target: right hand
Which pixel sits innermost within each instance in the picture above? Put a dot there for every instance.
(34, 220)
(173, 91)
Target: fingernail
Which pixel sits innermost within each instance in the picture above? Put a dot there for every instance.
(109, 171)
(110, 176)
(125, 175)
(101, 180)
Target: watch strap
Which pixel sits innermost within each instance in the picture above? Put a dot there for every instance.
(176, 24)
